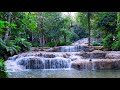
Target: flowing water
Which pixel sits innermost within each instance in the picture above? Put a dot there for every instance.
(70, 48)
(60, 64)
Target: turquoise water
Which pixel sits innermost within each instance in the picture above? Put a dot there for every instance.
(36, 73)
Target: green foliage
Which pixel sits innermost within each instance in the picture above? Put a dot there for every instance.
(28, 29)
(8, 49)
(78, 33)
(2, 65)
(3, 73)
(82, 19)
(52, 44)
(74, 37)
(108, 22)
(64, 43)
(36, 44)
(96, 44)
(107, 41)
(12, 48)
(22, 43)
(116, 43)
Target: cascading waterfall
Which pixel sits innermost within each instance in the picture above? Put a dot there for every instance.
(47, 63)
(52, 60)
(35, 62)
(70, 48)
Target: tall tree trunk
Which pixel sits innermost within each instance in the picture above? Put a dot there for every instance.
(32, 37)
(43, 40)
(65, 37)
(40, 40)
(9, 14)
(88, 14)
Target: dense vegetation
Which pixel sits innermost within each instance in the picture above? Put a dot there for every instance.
(104, 26)
(3, 73)
(19, 31)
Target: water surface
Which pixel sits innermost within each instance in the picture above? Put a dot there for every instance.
(65, 73)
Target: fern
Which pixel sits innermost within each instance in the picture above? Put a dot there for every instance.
(22, 43)
(12, 48)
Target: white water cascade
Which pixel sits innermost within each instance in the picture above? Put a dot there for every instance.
(44, 63)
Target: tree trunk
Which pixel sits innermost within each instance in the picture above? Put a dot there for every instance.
(0, 39)
(43, 40)
(88, 28)
(9, 14)
(65, 37)
(32, 37)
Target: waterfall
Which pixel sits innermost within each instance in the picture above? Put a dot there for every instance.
(69, 48)
(33, 62)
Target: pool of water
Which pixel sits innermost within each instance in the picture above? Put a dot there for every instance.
(72, 73)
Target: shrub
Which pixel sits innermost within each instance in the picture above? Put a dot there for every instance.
(62, 43)
(108, 41)
(116, 43)
(8, 49)
(36, 44)
(12, 48)
(96, 44)
(3, 73)
(2, 65)
(52, 44)
(21, 42)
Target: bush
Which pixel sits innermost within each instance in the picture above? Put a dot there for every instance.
(12, 48)
(116, 43)
(63, 43)
(21, 42)
(3, 73)
(96, 44)
(52, 44)
(74, 37)
(8, 49)
(108, 41)
(36, 44)
(2, 65)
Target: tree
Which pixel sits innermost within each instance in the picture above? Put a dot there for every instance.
(9, 15)
(88, 14)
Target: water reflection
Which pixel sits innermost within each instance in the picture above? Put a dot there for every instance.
(65, 73)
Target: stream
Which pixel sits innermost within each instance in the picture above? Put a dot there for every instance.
(75, 61)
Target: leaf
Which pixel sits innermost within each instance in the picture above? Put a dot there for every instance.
(13, 25)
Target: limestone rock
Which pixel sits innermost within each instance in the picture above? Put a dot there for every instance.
(113, 56)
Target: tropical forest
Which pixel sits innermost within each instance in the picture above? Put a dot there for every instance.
(59, 44)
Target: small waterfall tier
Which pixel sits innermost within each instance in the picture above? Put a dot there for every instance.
(44, 63)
